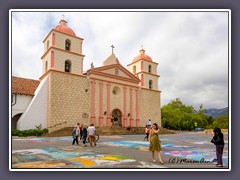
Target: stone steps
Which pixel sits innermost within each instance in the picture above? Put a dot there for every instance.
(113, 130)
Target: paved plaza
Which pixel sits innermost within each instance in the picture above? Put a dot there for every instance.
(181, 150)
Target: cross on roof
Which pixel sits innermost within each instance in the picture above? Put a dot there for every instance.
(63, 16)
(112, 48)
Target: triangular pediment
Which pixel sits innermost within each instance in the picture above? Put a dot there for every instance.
(112, 59)
(114, 71)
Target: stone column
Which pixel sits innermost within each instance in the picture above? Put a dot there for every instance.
(52, 59)
(137, 110)
(92, 102)
(125, 124)
(53, 39)
(108, 105)
(131, 108)
(142, 80)
(100, 104)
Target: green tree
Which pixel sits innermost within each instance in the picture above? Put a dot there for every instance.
(178, 116)
(221, 122)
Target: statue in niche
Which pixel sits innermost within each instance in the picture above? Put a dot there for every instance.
(92, 66)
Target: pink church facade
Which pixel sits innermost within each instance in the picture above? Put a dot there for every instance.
(109, 95)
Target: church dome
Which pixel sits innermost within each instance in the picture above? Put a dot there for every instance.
(142, 56)
(63, 28)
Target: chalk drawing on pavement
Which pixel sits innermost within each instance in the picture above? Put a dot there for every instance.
(64, 158)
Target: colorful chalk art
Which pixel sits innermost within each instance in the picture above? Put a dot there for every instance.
(72, 157)
(191, 148)
(66, 157)
(194, 153)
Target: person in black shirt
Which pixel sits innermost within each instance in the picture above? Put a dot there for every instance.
(84, 135)
(81, 131)
(218, 140)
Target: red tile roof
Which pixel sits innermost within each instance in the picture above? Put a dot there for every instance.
(24, 86)
(142, 56)
(63, 28)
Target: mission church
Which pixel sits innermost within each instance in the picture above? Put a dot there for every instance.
(109, 95)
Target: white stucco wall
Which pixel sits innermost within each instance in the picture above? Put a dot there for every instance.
(22, 102)
(36, 112)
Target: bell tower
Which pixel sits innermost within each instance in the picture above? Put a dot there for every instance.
(62, 50)
(145, 69)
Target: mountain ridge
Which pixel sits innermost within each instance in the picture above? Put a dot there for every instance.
(217, 112)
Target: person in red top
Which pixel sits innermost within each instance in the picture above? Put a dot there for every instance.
(147, 132)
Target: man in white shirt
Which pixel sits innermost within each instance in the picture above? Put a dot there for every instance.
(149, 123)
(91, 134)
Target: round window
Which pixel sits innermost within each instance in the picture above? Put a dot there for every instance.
(116, 90)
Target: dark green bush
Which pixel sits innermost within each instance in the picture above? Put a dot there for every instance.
(15, 132)
(29, 132)
(45, 131)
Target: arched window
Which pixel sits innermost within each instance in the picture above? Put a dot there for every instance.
(46, 66)
(68, 45)
(47, 45)
(150, 84)
(149, 68)
(68, 66)
(134, 69)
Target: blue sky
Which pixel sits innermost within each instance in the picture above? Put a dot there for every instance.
(190, 47)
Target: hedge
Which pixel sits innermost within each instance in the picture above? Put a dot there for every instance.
(29, 132)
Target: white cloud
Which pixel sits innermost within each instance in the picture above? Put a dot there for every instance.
(190, 47)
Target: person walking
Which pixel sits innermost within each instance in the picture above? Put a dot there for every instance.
(84, 135)
(218, 141)
(81, 131)
(149, 123)
(75, 134)
(91, 134)
(154, 142)
(147, 132)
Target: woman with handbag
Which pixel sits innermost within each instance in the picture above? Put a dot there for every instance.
(154, 142)
(218, 140)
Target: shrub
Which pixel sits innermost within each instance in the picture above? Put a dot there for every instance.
(45, 131)
(29, 132)
(15, 132)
